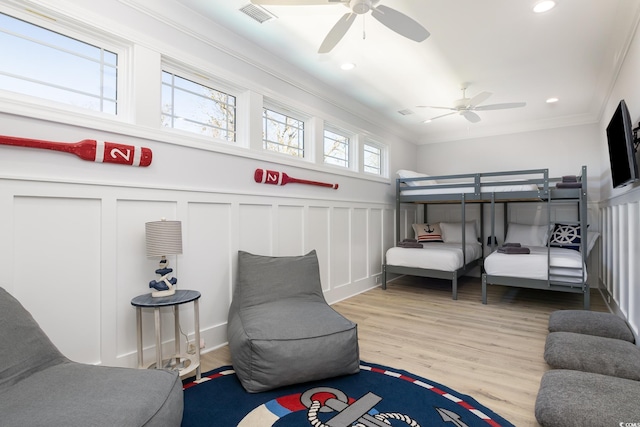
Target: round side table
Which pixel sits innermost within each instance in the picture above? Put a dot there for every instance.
(180, 297)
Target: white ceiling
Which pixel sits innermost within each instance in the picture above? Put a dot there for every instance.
(572, 52)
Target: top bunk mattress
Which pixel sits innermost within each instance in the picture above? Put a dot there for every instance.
(485, 188)
(434, 256)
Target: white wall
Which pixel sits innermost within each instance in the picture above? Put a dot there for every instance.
(73, 231)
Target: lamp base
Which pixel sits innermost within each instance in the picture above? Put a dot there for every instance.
(165, 286)
(166, 293)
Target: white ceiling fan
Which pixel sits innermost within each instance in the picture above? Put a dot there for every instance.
(467, 106)
(391, 18)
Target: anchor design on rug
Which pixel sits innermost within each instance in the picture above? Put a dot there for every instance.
(355, 414)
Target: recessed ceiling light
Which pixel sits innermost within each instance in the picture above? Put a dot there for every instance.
(544, 6)
(347, 66)
(552, 100)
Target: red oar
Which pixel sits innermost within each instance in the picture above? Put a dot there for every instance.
(264, 176)
(89, 149)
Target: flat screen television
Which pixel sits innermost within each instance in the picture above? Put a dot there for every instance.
(622, 153)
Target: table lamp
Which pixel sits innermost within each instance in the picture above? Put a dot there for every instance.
(163, 238)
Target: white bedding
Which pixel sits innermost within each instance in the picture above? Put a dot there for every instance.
(485, 188)
(534, 265)
(434, 256)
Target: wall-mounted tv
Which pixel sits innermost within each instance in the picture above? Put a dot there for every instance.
(622, 153)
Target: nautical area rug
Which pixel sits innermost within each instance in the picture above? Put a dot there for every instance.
(376, 396)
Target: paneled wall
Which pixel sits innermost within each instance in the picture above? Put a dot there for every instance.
(74, 255)
(619, 267)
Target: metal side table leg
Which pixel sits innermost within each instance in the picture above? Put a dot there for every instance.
(196, 317)
(156, 314)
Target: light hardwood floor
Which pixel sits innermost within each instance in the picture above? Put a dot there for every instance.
(493, 352)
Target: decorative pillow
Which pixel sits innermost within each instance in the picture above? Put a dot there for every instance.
(452, 232)
(403, 173)
(428, 232)
(527, 235)
(566, 236)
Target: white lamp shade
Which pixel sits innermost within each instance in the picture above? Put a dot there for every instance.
(163, 238)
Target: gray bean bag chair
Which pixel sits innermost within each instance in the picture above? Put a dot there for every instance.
(281, 330)
(599, 355)
(39, 387)
(590, 323)
(582, 399)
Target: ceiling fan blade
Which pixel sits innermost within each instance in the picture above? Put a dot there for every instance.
(440, 108)
(337, 32)
(479, 98)
(501, 106)
(294, 2)
(400, 23)
(471, 116)
(437, 117)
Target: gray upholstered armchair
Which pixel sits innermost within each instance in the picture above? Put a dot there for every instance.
(281, 330)
(41, 387)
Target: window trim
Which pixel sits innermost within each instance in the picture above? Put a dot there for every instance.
(68, 27)
(209, 83)
(307, 139)
(383, 157)
(350, 144)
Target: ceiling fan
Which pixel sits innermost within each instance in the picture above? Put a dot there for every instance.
(391, 18)
(467, 106)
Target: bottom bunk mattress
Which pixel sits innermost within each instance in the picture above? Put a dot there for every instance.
(434, 256)
(565, 265)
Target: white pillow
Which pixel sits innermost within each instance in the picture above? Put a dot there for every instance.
(527, 235)
(452, 232)
(403, 173)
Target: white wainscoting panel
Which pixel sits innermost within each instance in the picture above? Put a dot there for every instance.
(318, 229)
(56, 256)
(340, 246)
(619, 266)
(359, 245)
(290, 231)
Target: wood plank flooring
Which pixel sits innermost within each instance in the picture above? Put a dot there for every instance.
(493, 352)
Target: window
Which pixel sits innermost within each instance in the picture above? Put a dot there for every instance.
(372, 159)
(45, 64)
(192, 107)
(282, 134)
(336, 148)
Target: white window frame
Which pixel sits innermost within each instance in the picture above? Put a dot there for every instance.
(383, 157)
(307, 148)
(52, 21)
(209, 83)
(349, 146)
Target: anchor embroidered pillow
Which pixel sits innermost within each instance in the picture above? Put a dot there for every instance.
(428, 232)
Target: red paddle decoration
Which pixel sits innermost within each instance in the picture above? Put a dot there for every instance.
(90, 149)
(264, 176)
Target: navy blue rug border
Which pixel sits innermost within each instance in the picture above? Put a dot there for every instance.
(485, 415)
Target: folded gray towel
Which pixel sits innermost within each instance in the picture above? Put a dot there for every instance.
(512, 245)
(513, 250)
(409, 240)
(570, 178)
(568, 185)
(409, 245)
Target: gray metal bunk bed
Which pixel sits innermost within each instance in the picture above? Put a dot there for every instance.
(560, 276)
(493, 187)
